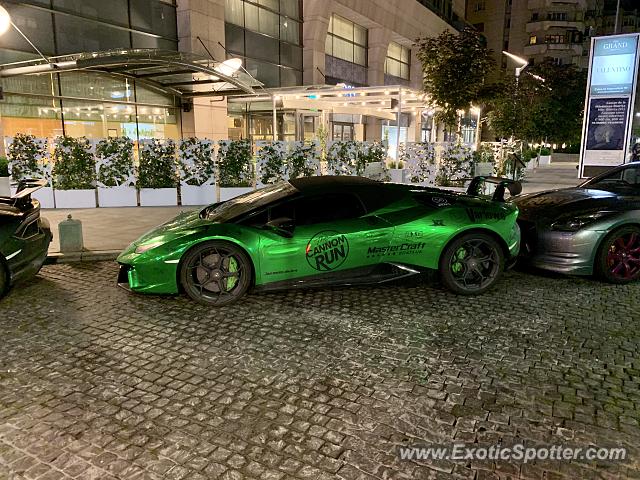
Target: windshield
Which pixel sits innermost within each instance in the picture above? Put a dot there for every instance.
(226, 211)
(620, 179)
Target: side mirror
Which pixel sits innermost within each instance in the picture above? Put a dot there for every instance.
(282, 226)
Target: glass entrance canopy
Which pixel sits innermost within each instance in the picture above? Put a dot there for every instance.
(181, 74)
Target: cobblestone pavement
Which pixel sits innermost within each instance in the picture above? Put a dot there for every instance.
(99, 383)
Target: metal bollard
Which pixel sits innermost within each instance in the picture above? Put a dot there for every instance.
(70, 235)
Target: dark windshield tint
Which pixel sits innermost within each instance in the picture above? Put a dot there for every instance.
(248, 202)
(314, 209)
(619, 179)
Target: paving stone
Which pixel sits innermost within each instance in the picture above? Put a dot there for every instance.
(99, 383)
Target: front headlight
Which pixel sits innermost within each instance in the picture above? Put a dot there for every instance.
(147, 246)
(574, 224)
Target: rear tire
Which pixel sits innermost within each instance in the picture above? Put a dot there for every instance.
(4, 277)
(471, 264)
(216, 273)
(618, 258)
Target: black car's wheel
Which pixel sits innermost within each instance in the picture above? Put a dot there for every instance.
(4, 277)
(618, 259)
(471, 264)
(215, 273)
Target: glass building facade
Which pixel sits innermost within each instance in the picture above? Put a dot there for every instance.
(267, 35)
(85, 103)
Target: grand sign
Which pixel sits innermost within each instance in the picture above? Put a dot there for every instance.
(611, 88)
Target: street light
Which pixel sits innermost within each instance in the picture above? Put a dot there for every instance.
(523, 63)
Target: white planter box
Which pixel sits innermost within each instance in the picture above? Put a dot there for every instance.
(121, 196)
(158, 197)
(227, 193)
(5, 187)
(545, 159)
(397, 175)
(74, 198)
(44, 196)
(202, 195)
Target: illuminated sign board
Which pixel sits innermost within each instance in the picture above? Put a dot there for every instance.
(610, 98)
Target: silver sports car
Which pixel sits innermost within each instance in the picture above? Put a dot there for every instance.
(593, 228)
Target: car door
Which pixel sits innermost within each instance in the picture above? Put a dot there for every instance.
(332, 236)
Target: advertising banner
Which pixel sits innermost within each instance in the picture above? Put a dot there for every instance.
(610, 97)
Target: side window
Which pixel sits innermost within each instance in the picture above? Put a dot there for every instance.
(316, 209)
(631, 175)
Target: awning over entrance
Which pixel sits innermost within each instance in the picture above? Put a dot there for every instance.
(384, 101)
(175, 73)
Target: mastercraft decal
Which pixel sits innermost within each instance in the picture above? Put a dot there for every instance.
(327, 250)
(402, 249)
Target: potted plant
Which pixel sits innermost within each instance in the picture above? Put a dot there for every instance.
(456, 166)
(303, 160)
(197, 171)
(371, 161)
(271, 159)
(235, 175)
(420, 161)
(29, 158)
(5, 184)
(342, 157)
(74, 171)
(157, 174)
(115, 173)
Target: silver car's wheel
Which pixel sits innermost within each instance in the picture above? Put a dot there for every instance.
(618, 260)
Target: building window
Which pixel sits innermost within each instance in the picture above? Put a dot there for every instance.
(557, 16)
(480, 6)
(398, 61)
(533, 39)
(479, 26)
(267, 34)
(346, 40)
(535, 16)
(553, 39)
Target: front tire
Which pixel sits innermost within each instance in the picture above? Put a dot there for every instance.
(215, 273)
(471, 264)
(618, 259)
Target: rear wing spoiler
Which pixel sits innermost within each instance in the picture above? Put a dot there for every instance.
(477, 184)
(26, 188)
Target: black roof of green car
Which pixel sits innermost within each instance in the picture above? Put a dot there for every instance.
(337, 182)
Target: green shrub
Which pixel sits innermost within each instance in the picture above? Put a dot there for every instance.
(544, 151)
(197, 166)
(115, 162)
(4, 167)
(158, 166)
(27, 156)
(74, 165)
(234, 163)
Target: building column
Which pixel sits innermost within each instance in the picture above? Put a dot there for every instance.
(316, 23)
(205, 19)
(379, 39)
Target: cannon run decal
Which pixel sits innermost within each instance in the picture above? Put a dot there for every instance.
(327, 250)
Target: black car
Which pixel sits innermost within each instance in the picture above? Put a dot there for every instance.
(24, 235)
(593, 228)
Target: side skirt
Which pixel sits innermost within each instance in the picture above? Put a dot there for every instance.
(377, 274)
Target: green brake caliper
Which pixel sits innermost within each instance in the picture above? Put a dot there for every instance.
(231, 281)
(458, 257)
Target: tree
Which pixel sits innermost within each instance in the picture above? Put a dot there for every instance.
(455, 67)
(532, 109)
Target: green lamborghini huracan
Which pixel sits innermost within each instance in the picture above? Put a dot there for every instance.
(327, 230)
